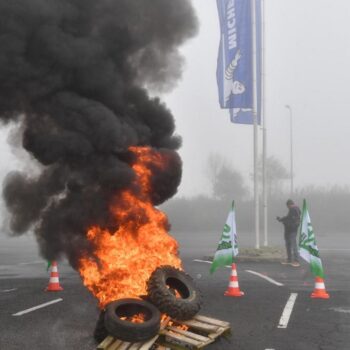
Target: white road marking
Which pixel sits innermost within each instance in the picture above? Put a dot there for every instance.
(203, 261)
(269, 279)
(20, 313)
(8, 290)
(265, 278)
(32, 262)
(208, 262)
(5, 267)
(287, 311)
(340, 309)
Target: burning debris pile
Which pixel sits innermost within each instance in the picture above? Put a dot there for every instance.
(73, 77)
(124, 259)
(170, 291)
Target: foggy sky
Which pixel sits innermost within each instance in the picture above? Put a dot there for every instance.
(307, 59)
(307, 67)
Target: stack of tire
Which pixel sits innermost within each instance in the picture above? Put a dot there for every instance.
(170, 291)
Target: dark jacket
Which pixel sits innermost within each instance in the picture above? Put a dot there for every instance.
(292, 220)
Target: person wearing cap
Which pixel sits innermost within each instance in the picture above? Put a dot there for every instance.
(291, 223)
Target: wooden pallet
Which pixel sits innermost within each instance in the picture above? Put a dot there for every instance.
(200, 332)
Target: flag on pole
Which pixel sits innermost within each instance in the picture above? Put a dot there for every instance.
(307, 244)
(235, 76)
(228, 245)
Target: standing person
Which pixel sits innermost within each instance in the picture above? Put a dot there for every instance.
(291, 223)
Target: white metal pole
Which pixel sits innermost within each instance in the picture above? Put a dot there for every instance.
(263, 116)
(291, 156)
(256, 183)
(291, 151)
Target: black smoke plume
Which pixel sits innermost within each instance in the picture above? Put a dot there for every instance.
(73, 75)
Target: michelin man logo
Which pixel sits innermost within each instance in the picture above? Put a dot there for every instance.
(232, 87)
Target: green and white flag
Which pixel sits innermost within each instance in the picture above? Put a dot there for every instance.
(307, 244)
(228, 246)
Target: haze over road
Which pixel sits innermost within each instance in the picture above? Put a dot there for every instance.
(313, 324)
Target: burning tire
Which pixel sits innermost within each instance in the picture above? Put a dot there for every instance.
(174, 293)
(132, 320)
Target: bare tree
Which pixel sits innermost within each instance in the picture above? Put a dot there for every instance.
(215, 162)
(276, 174)
(226, 182)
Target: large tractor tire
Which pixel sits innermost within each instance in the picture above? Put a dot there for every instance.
(174, 293)
(118, 322)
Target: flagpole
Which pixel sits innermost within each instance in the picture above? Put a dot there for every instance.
(263, 116)
(256, 183)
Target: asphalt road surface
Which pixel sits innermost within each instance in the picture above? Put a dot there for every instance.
(68, 323)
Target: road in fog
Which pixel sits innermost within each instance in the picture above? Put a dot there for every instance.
(69, 323)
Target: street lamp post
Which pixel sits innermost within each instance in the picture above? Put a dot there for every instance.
(291, 150)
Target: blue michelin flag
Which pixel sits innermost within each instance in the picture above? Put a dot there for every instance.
(235, 60)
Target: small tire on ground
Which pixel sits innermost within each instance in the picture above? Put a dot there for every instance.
(162, 286)
(126, 330)
(100, 332)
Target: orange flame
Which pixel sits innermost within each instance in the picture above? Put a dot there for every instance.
(138, 318)
(125, 259)
(167, 321)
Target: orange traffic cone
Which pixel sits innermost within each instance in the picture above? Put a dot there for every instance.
(54, 282)
(320, 289)
(233, 287)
